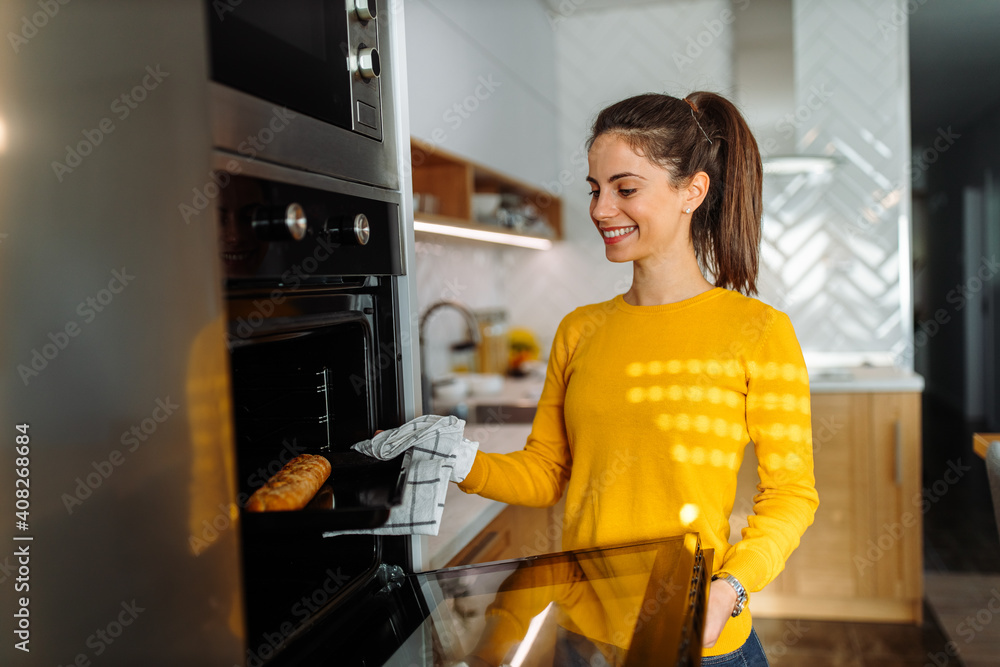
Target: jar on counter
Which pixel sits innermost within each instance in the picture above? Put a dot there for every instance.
(463, 357)
(493, 354)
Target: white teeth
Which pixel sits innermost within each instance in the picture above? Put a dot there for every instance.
(617, 232)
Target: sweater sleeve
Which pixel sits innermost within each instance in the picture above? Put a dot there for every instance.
(536, 475)
(778, 421)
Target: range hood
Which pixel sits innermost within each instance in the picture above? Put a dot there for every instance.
(764, 72)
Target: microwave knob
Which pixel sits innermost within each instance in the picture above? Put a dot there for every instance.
(368, 63)
(349, 230)
(274, 223)
(365, 9)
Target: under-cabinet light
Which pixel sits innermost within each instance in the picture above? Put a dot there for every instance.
(482, 235)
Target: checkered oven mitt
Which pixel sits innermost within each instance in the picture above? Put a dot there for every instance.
(437, 453)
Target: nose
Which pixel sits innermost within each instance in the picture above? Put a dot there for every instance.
(603, 208)
(228, 227)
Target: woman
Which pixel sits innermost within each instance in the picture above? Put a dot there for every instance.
(651, 397)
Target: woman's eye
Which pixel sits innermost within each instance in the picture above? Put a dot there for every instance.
(626, 192)
(593, 193)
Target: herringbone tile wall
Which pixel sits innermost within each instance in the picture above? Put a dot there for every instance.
(835, 254)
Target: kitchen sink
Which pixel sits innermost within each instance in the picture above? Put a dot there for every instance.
(501, 413)
(515, 403)
(832, 375)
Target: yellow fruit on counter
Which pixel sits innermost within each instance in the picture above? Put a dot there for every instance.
(523, 347)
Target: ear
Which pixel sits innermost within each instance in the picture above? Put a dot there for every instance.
(696, 191)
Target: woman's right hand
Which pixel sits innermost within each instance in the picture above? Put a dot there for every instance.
(472, 661)
(721, 603)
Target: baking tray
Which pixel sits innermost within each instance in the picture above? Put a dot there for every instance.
(359, 494)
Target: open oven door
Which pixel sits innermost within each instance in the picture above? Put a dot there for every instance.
(633, 605)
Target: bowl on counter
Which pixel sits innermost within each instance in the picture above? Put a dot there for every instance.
(485, 384)
(450, 389)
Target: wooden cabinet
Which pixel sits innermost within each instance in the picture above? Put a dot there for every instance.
(861, 559)
(517, 532)
(453, 182)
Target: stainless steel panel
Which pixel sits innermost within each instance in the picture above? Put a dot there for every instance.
(113, 344)
(406, 288)
(399, 111)
(224, 161)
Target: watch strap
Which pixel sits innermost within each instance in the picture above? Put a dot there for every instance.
(741, 593)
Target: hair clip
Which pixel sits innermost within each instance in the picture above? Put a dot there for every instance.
(693, 109)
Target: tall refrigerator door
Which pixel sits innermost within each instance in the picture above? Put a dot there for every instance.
(120, 548)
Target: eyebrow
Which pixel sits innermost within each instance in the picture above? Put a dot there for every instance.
(624, 174)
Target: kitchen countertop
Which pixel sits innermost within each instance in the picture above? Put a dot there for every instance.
(863, 379)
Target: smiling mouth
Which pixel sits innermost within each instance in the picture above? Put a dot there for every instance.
(621, 231)
(617, 234)
(238, 256)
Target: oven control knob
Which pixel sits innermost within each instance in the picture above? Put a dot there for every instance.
(349, 230)
(368, 63)
(365, 9)
(274, 223)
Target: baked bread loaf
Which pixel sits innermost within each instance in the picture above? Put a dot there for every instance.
(292, 487)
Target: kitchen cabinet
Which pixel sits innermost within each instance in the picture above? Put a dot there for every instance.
(445, 187)
(516, 532)
(861, 559)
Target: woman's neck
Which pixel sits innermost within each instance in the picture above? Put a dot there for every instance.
(665, 281)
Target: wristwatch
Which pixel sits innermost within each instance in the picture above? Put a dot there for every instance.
(741, 593)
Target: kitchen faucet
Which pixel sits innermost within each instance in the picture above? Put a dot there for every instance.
(474, 340)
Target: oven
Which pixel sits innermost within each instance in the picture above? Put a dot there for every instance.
(307, 116)
(311, 266)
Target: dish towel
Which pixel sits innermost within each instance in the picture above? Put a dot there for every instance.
(438, 454)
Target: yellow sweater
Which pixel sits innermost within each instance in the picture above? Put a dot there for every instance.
(643, 421)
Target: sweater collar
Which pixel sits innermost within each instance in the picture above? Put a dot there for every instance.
(623, 305)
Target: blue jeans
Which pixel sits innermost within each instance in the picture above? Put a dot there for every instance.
(573, 650)
(751, 654)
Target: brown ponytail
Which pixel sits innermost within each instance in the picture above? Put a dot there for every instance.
(703, 132)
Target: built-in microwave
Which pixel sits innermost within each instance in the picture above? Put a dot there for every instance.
(303, 83)
(312, 56)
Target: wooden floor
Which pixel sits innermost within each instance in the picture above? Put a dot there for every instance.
(967, 606)
(790, 643)
(962, 579)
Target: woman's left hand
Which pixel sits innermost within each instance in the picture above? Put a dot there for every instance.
(721, 603)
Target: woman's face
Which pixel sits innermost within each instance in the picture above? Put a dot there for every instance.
(241, 251)
(638, 213)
